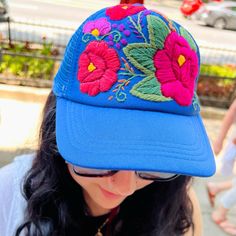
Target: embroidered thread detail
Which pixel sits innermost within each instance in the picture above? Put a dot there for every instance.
(158, 31)
(115, 37)
(176, 76)
(97, 27)
(95, 32)
(181, 60)
(121, 11)
(91, 67)
(149, 89)
(137, 26)
(141, 56)
(166, 61)
(98, 66)
(189, 38)
(119, 88)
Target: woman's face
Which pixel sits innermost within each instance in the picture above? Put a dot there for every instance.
(106, 193)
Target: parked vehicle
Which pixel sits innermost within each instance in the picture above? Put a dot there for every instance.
(188, 7)
(219, 15)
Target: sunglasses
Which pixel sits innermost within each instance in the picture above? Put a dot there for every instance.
(154, 176)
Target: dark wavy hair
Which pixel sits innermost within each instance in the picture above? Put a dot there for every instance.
(55, 204)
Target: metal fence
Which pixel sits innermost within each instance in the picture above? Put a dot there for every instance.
(217, 81)
(35, 32)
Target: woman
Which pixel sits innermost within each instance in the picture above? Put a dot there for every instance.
(121, 135)
(228, 200)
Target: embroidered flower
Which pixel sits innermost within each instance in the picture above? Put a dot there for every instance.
(176, 69)
(97, 27)
(123, 10)
(98, 65)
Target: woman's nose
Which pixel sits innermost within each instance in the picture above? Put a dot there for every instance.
(124, 182)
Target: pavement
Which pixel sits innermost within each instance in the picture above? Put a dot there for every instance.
(20, 116)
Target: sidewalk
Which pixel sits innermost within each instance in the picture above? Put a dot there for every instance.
(20, 110)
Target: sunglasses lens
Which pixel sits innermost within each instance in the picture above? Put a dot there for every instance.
(157, 175)
(89, 171)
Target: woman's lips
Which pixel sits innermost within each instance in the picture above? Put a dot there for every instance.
(109, 194)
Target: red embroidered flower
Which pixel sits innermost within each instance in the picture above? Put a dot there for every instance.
(98, 65)
(176, 69)
(123, 10)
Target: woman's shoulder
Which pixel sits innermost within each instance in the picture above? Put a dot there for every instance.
(25, 160)
(12, 175)
(11, 197)
(17, 168)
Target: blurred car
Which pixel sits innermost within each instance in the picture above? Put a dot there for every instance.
(188, 7)
(220, 15)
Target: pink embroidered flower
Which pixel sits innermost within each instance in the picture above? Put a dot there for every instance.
(123, 10)
(97, 27)
(98, 65)
(176, 69)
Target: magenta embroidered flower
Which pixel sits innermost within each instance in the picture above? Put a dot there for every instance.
(97, 27)
(123, 10)
(176, 69)
(98, 66)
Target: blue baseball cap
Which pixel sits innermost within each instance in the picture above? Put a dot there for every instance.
(126, 95)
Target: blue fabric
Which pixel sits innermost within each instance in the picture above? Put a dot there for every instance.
(137, 134)
(112, 138)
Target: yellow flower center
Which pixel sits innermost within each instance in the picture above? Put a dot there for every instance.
(181, 60)
(91, 67)
(125, 7)
(95, 32)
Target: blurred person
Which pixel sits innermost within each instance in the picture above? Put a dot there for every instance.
(121, 136)
(228, 200)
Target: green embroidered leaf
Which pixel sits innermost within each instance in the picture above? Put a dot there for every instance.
(189, 38)
(158, 31)
(149, 89)
(141, 56)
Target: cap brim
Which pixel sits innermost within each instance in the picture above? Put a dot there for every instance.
(111, 138)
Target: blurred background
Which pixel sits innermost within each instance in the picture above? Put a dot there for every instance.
(33, 36)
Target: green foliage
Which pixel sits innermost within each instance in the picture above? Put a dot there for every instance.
(149, 89)
(141, 56)
(222, 84)
(158, 31)
(228, 71)
(28, 67)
